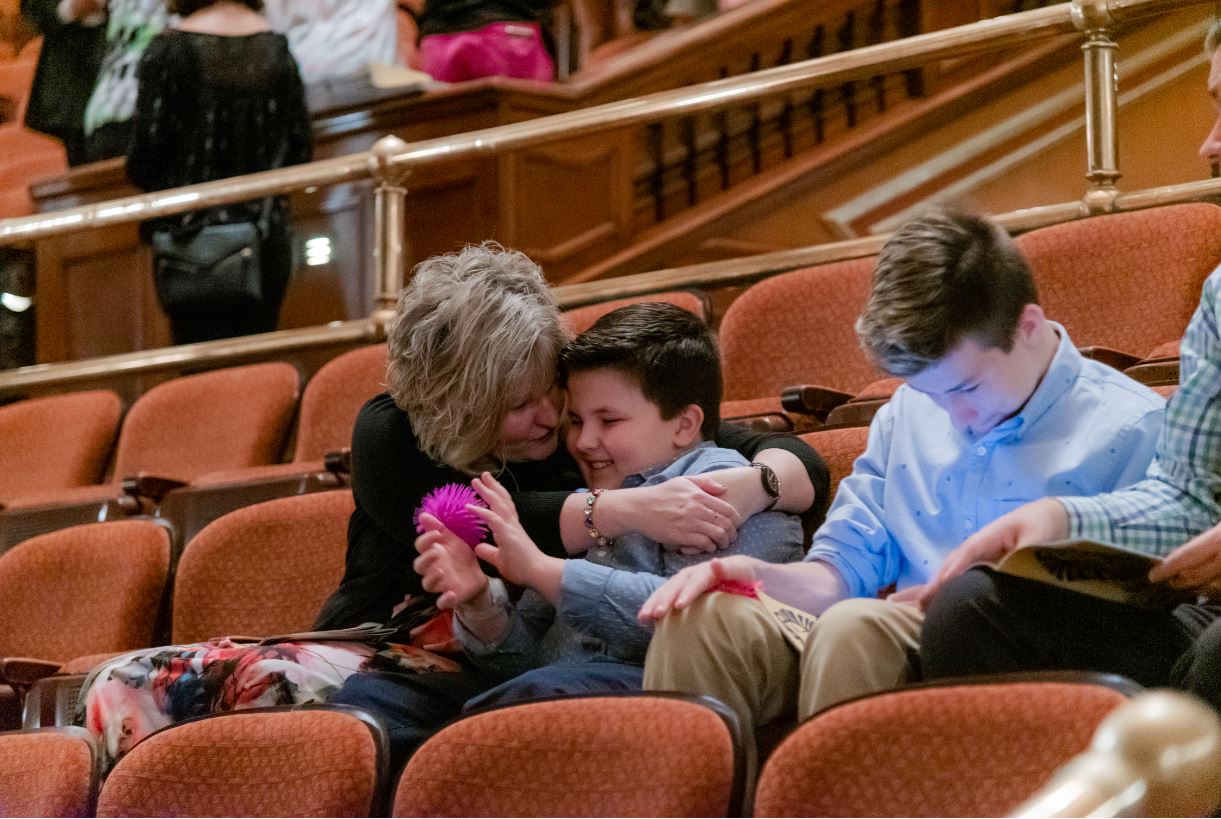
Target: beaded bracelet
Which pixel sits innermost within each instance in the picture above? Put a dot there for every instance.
(594, 534)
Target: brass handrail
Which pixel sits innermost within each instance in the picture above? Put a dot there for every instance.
(859, 63)
(709, 275)
(391, 161)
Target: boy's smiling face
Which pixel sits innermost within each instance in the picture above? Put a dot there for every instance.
(615, 431)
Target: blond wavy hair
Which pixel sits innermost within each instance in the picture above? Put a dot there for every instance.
(477, 332)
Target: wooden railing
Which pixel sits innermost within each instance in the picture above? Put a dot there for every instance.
(392, 162)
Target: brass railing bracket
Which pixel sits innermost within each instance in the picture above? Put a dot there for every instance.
(390, 217)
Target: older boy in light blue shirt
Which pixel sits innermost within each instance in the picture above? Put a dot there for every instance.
(998, 408)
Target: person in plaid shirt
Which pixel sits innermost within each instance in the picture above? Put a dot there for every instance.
(978, 621)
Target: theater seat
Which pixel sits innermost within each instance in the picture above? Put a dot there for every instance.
(306, 760)
(580, 319)
(329, 405)
(48, 772)
(797, 329)
(262, 570)
(633, 755)
(1126, 281)
(83, 590)
(56, 442)
(969, 748)
(177, 431)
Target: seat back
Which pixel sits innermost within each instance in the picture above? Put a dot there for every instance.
(296, 761)
(580, 319)
(947, 750)
(334, 396)
(1128, 281)
(48, 772)
(262, 570)
(797, 328)
(84, 590)
(642, 755)
(839, 448)
(56, 442)
(223, 419)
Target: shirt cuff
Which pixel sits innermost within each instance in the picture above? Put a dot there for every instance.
(582, 588)
(499, 609)
(1088, 519)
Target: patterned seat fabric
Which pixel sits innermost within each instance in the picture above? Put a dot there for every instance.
(278, 762)
(50, 772)
(797, 328)
(262, 570)
(953, 750)
(1128, 281)
(600, 756)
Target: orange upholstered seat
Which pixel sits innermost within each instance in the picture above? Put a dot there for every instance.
(839, 448)
(298, 761)
(82, 590)
(797, 328)
(948, 750)
(178, 431)
(56, 442)
(1128, 281)
(262, 570)
(644, 755)
(49, 772)
(580, 319)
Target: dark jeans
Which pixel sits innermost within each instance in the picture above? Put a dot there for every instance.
(413, 707)
(984, 622)
(276, 261)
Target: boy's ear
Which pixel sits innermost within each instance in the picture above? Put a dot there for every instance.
(690, 420)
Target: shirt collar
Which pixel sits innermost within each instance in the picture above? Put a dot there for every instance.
(638, 478)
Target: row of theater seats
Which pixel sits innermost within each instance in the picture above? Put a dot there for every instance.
(960, 748)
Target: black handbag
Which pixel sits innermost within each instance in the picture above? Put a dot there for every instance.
(215, 268)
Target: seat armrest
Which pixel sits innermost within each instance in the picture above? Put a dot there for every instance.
(1112, 358)
(764, 422)
(811, 399)
(339, 461)
(1156, 373)
(22, 672)
(152, 487)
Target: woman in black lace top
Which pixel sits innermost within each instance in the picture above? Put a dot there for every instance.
(220, 95)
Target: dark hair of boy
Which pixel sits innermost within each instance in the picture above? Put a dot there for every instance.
(669, 352)
(942, 277)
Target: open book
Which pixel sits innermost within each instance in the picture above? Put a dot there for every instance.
(1096, 569)
(794, 622)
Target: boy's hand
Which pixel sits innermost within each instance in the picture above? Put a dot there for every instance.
(1195, 565)
(1042, 521)
(515, 555)
(448, 566)
(683, 588)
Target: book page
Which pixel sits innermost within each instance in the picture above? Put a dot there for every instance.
(1097, 569)
(794, 622)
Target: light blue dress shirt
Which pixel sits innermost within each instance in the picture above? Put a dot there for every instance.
(921, 487)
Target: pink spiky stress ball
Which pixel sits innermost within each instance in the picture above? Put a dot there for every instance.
(448, 505)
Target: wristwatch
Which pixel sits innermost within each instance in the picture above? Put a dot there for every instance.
(771, 484)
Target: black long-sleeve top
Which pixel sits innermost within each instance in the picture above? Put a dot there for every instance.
(213, 106)
(390, 476)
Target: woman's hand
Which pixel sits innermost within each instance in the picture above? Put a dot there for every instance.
(685, 513)
(515, 555)
(447, 566)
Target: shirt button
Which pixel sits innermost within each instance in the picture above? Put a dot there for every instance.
(967, 524)
(981, 450)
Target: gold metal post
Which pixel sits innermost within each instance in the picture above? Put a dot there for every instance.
(390, 222)
(1093, 17)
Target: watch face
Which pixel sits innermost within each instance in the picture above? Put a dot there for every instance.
(771, 484)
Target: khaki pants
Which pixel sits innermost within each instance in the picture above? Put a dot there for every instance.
(729, 647)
